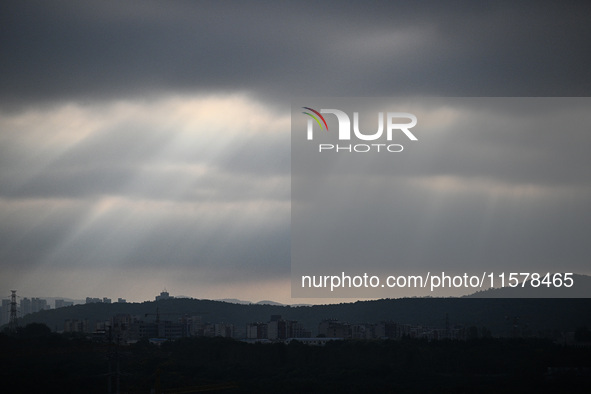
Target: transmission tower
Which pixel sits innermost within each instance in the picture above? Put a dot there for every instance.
(12, 322)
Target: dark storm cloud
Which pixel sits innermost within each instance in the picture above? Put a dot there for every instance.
(72, 50)
(536, 141)
(539, 142)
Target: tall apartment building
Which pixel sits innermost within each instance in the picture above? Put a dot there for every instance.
(38, 304)
(32, 305)
(5, 313)
(25, 306)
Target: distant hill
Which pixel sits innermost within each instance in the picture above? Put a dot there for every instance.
(581, 289)
(267, 302)
(541, 317)
(235, 301)
(242, 302)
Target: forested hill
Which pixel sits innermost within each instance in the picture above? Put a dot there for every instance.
(538, 316)
(545, 286)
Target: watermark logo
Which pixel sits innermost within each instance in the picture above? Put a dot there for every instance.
(316, 119)
(396, 122)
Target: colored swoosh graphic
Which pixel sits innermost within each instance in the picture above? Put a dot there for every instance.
(315, 118)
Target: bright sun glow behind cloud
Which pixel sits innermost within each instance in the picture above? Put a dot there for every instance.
(146, 186)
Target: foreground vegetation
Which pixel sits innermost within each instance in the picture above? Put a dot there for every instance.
(36, 360)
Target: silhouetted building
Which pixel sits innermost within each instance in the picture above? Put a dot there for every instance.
(332, 328)
(32, 305)
(38, 304)
(256, 331)
(164, 295)
(224, 330)
(76, 325)
(5, 316)
(276, 329)
(25, 306)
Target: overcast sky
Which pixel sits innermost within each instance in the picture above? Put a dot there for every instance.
(146, 145)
